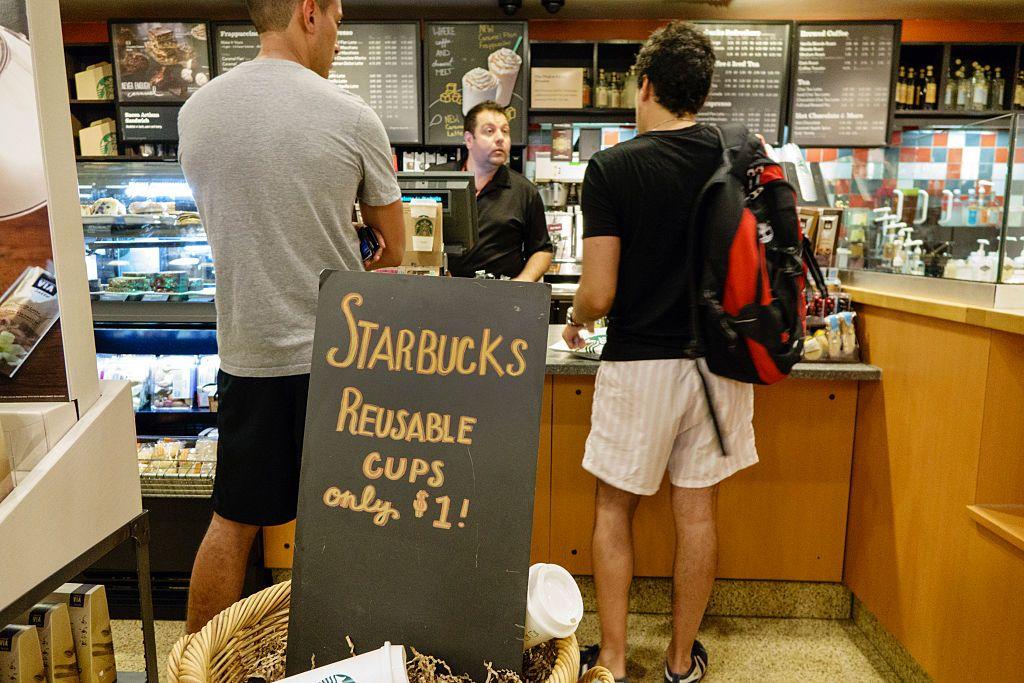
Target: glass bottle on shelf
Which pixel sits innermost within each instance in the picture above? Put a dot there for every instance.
(615, 92)
(919, 86)
(998, 90)
(901, 89)
(909, 87)
(587, 91)
(601, 101)
(629, 89)
(1018, 92)
(963, 90)
(931, 90)
(979, 89)
(949, 95)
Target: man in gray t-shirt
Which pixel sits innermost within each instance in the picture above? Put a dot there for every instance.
(276, 156)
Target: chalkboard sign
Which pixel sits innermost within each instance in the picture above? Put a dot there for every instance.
(160, 61)
(842, 85)
(153, 123)
(379, 62)
(751, 70)
(468, 63)
(418, 471)
(233, 43)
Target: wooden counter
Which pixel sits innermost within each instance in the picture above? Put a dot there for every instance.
(784, 518)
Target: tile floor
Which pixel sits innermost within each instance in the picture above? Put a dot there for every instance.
(740, 649)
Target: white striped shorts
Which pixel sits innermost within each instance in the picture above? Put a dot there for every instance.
(652, 415)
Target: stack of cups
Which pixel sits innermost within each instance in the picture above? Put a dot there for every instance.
(386, 665)
(554, 605)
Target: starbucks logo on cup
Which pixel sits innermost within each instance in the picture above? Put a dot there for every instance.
(338, 678)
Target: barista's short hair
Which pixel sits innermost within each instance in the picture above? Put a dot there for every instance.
(678, 60)
(469, 125)
(275, 15)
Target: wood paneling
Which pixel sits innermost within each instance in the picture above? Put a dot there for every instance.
(540, 546)
(784, 518)
(914, 471)
(1001, 460)
(278, 544)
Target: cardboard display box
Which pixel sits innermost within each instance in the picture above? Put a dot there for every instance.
(556, 88)
(53, 623)
(96, 82)
(424, 238)
(99, 139)
(90, 625)
(21, 657)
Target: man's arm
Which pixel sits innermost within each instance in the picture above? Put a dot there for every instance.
(535, 268)
(596, 292)
(389, 222)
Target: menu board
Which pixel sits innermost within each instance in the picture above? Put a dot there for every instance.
(751, 68)
(843, 83)
(233, 44)
(162, 61)
(378, 62)
(381, 64)
(148, 123)
(416, 494)
(468, 63)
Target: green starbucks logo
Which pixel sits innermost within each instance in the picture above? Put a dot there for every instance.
(108, 145)
(105, 88)
(424, 227)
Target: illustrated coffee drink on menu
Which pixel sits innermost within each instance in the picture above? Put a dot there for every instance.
(505, 65)
(478, 85)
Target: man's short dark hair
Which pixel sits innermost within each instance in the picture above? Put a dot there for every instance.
(275, 15)
(469, 125)
(678, 60)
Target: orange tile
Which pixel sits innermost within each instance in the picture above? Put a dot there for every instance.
(923, 154)
(1002, 155)
(861, 154)
(953, 171)
(940, 140)
(988, 140)
(956, 155)
(813, 155)
(830, 154)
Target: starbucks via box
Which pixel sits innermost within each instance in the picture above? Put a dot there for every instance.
(21, 657)
(424, 243)
(53, 623)
(90, 626)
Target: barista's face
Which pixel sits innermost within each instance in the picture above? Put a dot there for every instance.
(322, 33)
(489, 144)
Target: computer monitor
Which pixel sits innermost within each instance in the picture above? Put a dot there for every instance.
(456, 191)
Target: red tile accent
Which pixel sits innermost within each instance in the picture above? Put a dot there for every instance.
(940, 140)
(897, 137)
(1018, 155)
(953, 171)
(830, 154)
(908, 154)
(1002, 155)
(813, 155)
(861, 154)
(988, 140)
(956, 155)
(922, 154)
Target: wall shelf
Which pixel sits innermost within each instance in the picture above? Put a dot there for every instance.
(1005, 521)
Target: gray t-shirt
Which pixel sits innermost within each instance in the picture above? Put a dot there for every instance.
(276, 156)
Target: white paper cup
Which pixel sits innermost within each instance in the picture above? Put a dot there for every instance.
(554, 605)
(386, 665)
(505, 65)
(478, 85)
(22, 180)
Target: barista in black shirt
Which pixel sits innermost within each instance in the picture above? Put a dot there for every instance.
(514, 240)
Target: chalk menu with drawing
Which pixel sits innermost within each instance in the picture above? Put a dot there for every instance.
(419, 467)
(467, 63)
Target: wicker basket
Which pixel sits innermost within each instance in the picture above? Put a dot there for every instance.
(230, 648)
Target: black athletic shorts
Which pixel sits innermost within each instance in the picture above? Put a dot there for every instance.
(261, 421)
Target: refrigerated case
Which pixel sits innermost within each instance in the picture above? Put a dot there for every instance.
(152, 283)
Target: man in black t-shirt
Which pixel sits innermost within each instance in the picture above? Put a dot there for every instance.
(514, 240)
(650, 411)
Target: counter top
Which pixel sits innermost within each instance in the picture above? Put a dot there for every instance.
(561, 363)
(1002, 319)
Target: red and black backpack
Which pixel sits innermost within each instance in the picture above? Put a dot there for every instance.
(749, 263)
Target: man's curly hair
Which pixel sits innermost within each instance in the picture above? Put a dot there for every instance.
(678, 60)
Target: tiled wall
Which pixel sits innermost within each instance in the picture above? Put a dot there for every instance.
(931, 160)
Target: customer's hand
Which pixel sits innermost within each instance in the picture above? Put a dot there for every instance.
(380, 249)
(572, 337)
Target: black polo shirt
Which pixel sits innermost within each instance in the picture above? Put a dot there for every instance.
(512, 226)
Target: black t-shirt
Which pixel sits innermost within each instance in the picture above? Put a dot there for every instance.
(512, 226)
(643, 191)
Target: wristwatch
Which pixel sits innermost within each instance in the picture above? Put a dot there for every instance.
(569, 320)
